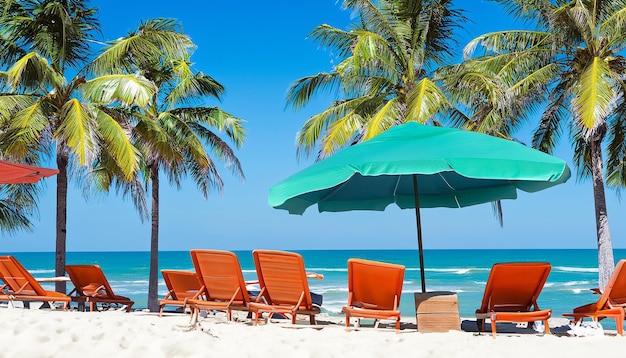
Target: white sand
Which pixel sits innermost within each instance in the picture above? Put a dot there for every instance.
(57, 333)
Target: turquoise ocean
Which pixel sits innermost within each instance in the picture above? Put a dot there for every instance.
(574, 273)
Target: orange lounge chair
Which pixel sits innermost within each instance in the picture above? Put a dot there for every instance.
(611, 303)
(374, 290)
(181, 286)
(284, 286)
(223, 286)
(20, 285)
(511, 294)
(91, 286)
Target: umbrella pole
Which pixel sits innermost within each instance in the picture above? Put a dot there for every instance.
(419, 232)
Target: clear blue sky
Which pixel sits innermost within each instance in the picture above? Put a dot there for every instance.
(256, 50)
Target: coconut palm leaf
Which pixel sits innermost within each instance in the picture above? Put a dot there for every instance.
(153, 38)
(594, 95)
(425, 100)
(191, 86)
(17, 205)
(304, 89)
(332, 37)
(216, 118)
(114, 139)
(128, 89)
(616, 163)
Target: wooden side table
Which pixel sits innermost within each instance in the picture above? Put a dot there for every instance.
(437, 311)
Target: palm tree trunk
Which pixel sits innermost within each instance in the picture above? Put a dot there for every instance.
(153, 303)
(606, 263)
(61, 220)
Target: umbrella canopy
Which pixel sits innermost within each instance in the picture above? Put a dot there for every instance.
(13, 173)
(427, 165)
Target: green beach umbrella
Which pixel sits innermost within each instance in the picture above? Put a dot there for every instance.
(414, 163)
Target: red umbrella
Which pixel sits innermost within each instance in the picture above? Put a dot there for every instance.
(13, 173)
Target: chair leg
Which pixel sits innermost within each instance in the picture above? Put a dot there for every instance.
(493, 326)
(481, 325)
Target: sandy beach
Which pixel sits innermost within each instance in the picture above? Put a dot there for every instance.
(57, 333)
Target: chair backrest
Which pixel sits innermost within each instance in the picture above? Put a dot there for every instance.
(17, 278)
(89, 277)
(283, 276)
(181, 284)
(514, 286)
(615, 290)
(220, 274)
(374, 285)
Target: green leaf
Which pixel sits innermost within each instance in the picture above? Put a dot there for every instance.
(77, 128)
(128, 89)
(593, 95)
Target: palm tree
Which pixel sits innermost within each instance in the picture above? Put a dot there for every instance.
(384, 74)
(569, 66)
(18, 202)
(43, 112)
(172, 130)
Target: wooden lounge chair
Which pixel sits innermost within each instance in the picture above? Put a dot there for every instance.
(611, 303)
(511, 294)
(20, 285)
(284, 286)
(374, 290)
(223, 287)
(181, 286)
(91, 286)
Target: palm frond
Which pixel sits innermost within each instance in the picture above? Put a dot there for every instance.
(332, 37)
(340, 132)
(77, 129)
(128, 89)
(221, 151)
(304, 89)
(106, 174)
(31, 72)
(156, 140)
(549, 131)
(11, 103)
(507, 41)
(582, 151)
(313, 128)
(192, 87)
(25, 129)
(613, 27)
(593, 95)
(383, 119)
(436, 31)
(116, 142)
(216, 118)
(425, 100)
(616, 149)
(155, 39)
